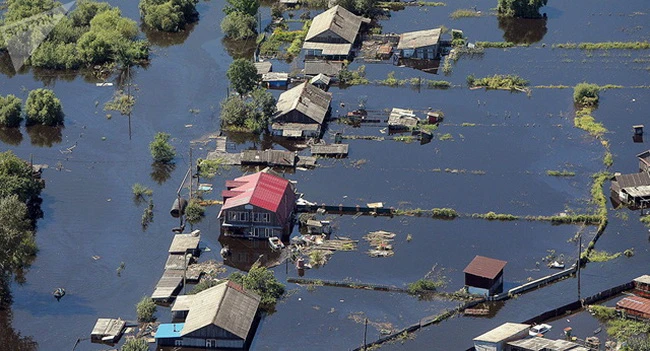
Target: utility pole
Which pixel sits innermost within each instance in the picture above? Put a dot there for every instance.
(579, 261)
(128, 87)
(191, 174)
(365, 333)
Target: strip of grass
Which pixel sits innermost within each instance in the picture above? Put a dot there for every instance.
(645, 220)
(463, 13)
(465, 124)
(492, 216)
(562, 173)
(437, 84)
(602, 256)
(586, 122)
(446, 136)
(498, 81)
(447, 213)
(609, 45)
(495, 44)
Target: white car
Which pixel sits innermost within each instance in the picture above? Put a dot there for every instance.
(539, 329)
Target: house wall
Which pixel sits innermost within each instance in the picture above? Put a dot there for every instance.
(294, 116)
(642, 289)
(425, 52)
(643, 167)
(483, 285)
(202, 343)
(328, 37)
(254, 229)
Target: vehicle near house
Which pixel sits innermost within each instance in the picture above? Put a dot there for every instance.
(539, 329)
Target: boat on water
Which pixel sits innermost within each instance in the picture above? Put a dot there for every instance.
(276, 243)
(556, 264)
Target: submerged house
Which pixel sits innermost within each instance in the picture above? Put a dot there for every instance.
(422, 44)
(642, 286)
(633, 190)
(644, 161)
(259, 205)
(484, 276)
(497, 338)
(332, 34)
(301, 112)
(219, 317)
(634, 307)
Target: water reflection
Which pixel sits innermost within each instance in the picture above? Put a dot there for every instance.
(161, 172)
(244, 253)
(45, 136)
(10, 339)
(239, 48)
(637, 138)
(522, 30)
(427, 66)
(11, 136)
(165, 39)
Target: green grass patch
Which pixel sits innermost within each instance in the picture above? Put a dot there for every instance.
(405, 138)
(552, 86)
(446, 136)
(498, 81)
(562, 173)
(588, 219)
(437, 84)
(428, 127)
(492, 216)
(608, 159)
(424, 286)
(645, 220)
(602, 256)
(465, 124)
(495, 44)
(602, 313)
(448, 213)
(625, 329)
(463, 13)
(586, 122)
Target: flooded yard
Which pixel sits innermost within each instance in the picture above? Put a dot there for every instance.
(500, 148)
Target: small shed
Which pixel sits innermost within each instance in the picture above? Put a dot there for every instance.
(402, 119)
(185, 243)
(318, 227)
(634, 307)
(332, 150)
(484, 276)
(638, 129)
(275, 79)
(496, 339)
(107, 330)
(644, 161)
(263, 67)
(384, 52)
(642, 286)
(434, 117)
(422, 44)
(632, 189)
(322, 81)
(328, 68)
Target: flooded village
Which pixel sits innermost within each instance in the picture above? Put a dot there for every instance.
(324, 175)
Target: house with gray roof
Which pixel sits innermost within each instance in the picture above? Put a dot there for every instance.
(301, 112)
(219, 317)
(421, 44)
(332, 34)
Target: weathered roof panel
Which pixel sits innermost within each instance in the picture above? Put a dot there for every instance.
(635, 303)
(305, 98)
(485, 267)
(419, 39)
(340, 21)
(502, 332)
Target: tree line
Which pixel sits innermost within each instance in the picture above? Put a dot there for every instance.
(42, 107)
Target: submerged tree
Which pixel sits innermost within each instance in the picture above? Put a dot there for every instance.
(43, 107)
(10, 111)
(520, 8)
(194, 212)
(239, 25)
(168, 15)
(262, 281)
(161, 150)
(135, 344)
(242, 75)
(146, 309)
(16, 236)
(248, 114)
(249, 7)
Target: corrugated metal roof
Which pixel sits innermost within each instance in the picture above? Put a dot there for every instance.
(333, 49)
(632, 180)
(320, 79)
(329, 68)
(502, 332)
(227, 305)
(263, 67)
(542, 344)
(305, 98)
(182, 303)
(263, 190)
(419, 39)
(485, 267)
(342, 22)
(635, 303)
(638, 191)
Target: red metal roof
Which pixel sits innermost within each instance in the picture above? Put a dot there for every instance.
(263, 190)
(635, 303)
(485, 267)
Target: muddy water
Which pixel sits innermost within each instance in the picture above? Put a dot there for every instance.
(89, 210)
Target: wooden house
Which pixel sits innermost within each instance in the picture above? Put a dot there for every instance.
(332, 34)
(422, 44)
(321, 81)
(259, 205)
(484, 276)
(402, 120)
(331, 150)
(220, 317)
(107, 330)
(328, 68)
(634, 307)
(633, 190)
(263, 67)
(275, 80)
(642, 286)
(301, 112)
(644, 161)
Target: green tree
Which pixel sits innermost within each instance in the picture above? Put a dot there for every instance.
(242, 75)
(249, 7)
(161, 150)
(16, 236)
(10, 111)
(194, 212)
(239, 25)
(20, 9)
(135, 345)
(586, 94)
(86, 10)
(263, 103)
(16, 178)
(520, 8)
(43, 107)
(145, 309)
(233, 112)
(261, 281)
(168, 15)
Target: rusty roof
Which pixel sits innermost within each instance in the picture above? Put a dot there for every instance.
(632, 180)
(485, 267)
(635, 303)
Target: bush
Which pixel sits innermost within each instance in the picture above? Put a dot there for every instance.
(140, 191)
(520, 8)
(586, 94)
(238, 26)
(194, 212)
(204, 284)
(43, 107)
(10, 111)
(261, 281)
(251, 114)
(146, 309)
(161, 150)
(135, 345)
(242, 75)
(449, 213)
(168, 15)
(423, 286)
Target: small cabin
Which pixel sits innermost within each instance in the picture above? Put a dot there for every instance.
(484, 276)
(634, 307)
(497, 338)
(642, 286)
(422, 44)
(644, 161)
(277, 80)
(638, 129)
(107, 330)
(402, 119)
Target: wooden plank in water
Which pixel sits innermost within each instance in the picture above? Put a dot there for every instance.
(168, 285)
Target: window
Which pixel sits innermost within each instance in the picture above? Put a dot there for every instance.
(237, 216)
(262, 232)
(261, 217)
(178, 342)
(210, 343)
